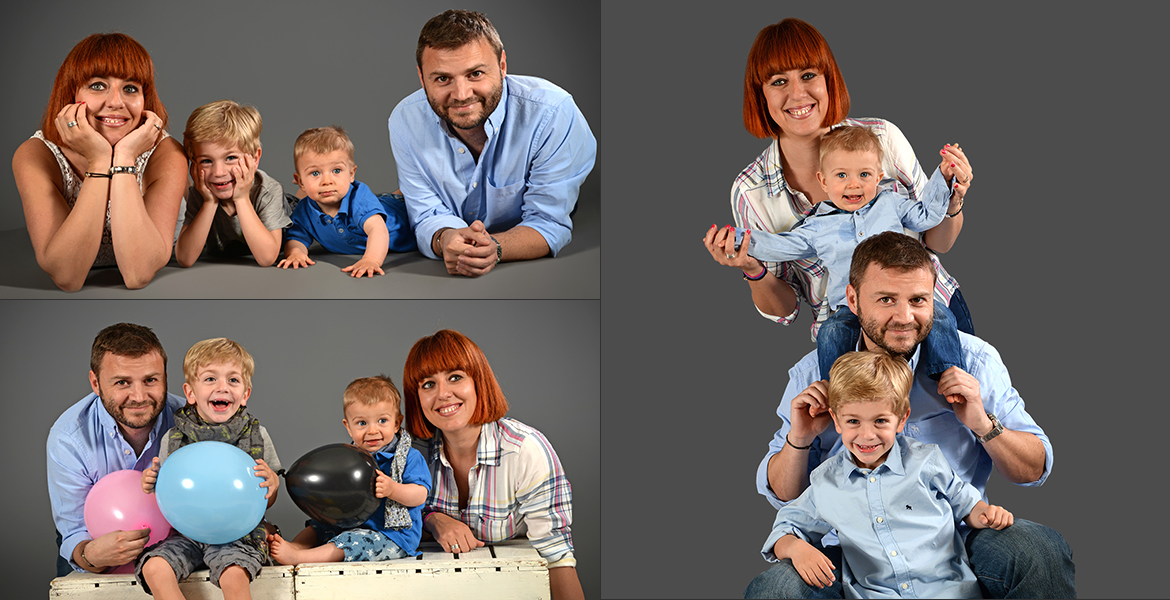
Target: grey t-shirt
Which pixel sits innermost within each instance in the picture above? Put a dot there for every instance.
(225, 237)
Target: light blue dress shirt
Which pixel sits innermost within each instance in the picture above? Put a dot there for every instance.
(932, 420)
(538, 152)
(832, 234)
(897, 523)
(85, 445)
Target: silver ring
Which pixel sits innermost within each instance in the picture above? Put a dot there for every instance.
(454, 547)
(729, 256)
(71, 124)
(157, 126)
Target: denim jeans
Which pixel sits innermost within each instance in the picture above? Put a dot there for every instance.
(63, 566)
(940, 350)
(1026, 560)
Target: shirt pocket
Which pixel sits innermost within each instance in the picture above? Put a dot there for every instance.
(503, 202)
(498, 530)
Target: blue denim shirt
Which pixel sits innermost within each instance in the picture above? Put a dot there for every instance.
(897, 523)
(85, 445)
(932, 420)
(538, 152)
(832, 234)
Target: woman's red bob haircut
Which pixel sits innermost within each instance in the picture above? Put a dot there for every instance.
(449, 350)
(789, 44)
(101, 55)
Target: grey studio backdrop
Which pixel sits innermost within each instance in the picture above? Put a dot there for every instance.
(303, 64)
(546, 356)
(1061, 251)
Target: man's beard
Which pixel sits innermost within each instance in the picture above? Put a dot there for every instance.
(119, 414)
(489, 105)
(877, 334)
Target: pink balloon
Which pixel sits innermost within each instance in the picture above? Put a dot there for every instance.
(117, 503)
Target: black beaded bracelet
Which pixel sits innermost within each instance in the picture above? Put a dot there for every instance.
(795, 446)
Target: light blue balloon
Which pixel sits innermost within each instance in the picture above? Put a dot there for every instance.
(210, 493)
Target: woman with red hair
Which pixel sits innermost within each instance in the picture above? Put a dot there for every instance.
(794, 94)
(101, 182)
(494, 478)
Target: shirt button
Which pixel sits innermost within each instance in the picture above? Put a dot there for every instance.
(339, 230)
(905, 585)
(893, 553)
(474, 183)
(880, 520)
(461, 150)
(860, 234)
(872, 479)
(126, 451)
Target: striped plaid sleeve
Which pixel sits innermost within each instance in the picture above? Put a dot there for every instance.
(544, 500)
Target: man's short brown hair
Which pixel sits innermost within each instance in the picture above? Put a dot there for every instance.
(890, 250)
(455, 29)
(124, 339)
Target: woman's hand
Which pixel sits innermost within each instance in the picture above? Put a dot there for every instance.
(721, 244)
(453, 535)
(81, 137)
(957, 169)
(143, 138)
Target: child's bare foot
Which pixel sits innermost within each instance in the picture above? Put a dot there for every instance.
(284, 551)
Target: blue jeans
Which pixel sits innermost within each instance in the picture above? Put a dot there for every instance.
(1026, 560)
(940, 350)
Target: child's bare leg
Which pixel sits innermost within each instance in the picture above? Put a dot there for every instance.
(161, 578)
(234, 583)
(293, 553)
(283, 550)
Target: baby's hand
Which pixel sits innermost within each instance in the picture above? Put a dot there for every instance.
(384, 485)
(296, 260)
(149, 477)
(271, 481)
(364, 267)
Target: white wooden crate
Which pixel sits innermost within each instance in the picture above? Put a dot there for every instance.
(273, 583)
(509, 570)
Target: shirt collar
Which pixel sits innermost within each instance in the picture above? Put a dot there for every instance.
(494, 441)
(390, 448)
(892, 465)
(345, 201)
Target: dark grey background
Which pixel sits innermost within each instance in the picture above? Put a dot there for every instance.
(1062, 251)
(546, 356)
(303, 64)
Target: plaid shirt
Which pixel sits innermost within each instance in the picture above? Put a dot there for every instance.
(762, 200)
(517, 487)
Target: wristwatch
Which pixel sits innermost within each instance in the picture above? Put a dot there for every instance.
(996, 429)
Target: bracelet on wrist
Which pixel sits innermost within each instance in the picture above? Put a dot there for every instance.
(132, 170)
(747, 277)
(499, 252)
(798, 447)
(956, 213)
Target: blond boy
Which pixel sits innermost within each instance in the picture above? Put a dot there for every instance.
(339, 212)
(218, 374)
(894, 502)
(233, 208)
(373, 421)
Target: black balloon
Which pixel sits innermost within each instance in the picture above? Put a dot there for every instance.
(334, 484)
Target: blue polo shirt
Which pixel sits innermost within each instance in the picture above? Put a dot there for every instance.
(344, 233)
